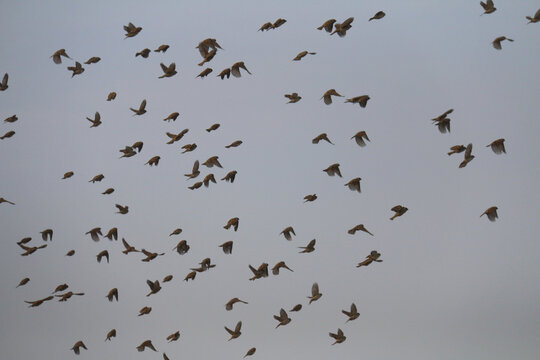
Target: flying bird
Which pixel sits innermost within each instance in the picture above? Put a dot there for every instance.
(293, 98)
(194, 172)
(168, 71)
(145, 311)
(280, 265)
(468, 157)
(327, 25)
(296, 307)
(225, 73)
(7, 135)
(76, 348)
(354, 184)
(111, 96)
(227, 247)
(95, 233)
(122, 209)
(176, 231)
(359, 138)
(235, 69)
(534, 19)
(327, 96)
(172, 116)
(213, 127)
(2, 200)
(310, 198)
(353, 314)
(128, 248)
(146, 344)
(23, 282)
(341, 29)
(77, 69)
(359, 227)
(97, 178)
(108, 191)
(131, 30)
(153, 161)
(373, 256)
(399, 210)
(57, 56)
(260, 272)
(302, 54)
(333, 170)
(456, 149)
(103, 254)
(497, 42)
(112, 294)
(250, 352)
(378, 15)
(11, 119)
(236, 333)
(497, 146)
(320, 137)
(488, 6)
(4, 83)
(47, 234)
(339, 337)
(182, 247)
(174, 337)
(205, 73)
(112, 234)
(141, 110)
(96, 121)
(278, 23)
(360, 100)
(315, 293)
(110, 335)
(230, 303)
(283, 318)
(232, 222)
(230, 176)
(162, 48)
(287, 232)
(154, 286)
(309, 248)
(234, 144)
(93, 60)
(491, 213)
(266, 26)
(36, 303)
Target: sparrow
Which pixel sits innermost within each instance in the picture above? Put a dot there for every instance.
(333, 170)
(236, 333)
(205, 73)
(497, 42)
(302, 54)
(112, 294)
(296, 307)
(230, 303)
(153, 161)
(278, 23)
(497, 146)
(488, 6)
(373, 256)
(320, 137)
(76, 348)
(293, 98)
(128, 248)
(96, 121)
(260, 272)
(57, 56)
(70, 253)
(309, 248)
(339, 337)
(182, 247)
(141, 110)
(150, 255)
(7, 135)
(168, 71)
(30, 250)
(47, 234)
(194, 172)
(378, 15)
(225, 73)
(213, 127)
(359, 138)
(209, 178)
(230, 176)
(23, 282)
(95, 233)
(122, 209)
(110, 335)
(341, 29)
(102, 254)
(97, 178)
(327, 25)
(111, 96)
(491, 213)
(282, 318)
(310, 198)
(174, 337)
(227, 247)
(77, 69)
(399, 210)
(234, 144)
(207, 44)
(359, 227)
(112, 234)
(11, 119)
(68, 175)
(209, 56)
(315, 293)
(352, 314)
(146, 344)
(189, 148)
(68, 295)
(167, 278)
(287, 232)
(108, 191)
(190, 276)
(534, 19)
(60, 288)
(467, 157)
(93, 60)
(212, 161)
(360, 100)
(154, 287)
(354, 184)
(232, 222)
(327, 96)
(145, 311)
(456, 149)
(173, 116)
(176, 137)
(177, 231)
(266, 26)
(196, 185)
(131, 30)
(162, 48)
(250, 352)
(35, 303)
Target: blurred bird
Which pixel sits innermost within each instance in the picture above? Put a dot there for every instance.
(174, 337)
(30, 250)
(173, 116)
(182, 247)
(468, 157)
(227, 247)
(168, 71)
(138, 145)
(23, 282)
(378, 15)
(360, 100)
(146, 344)
(128, 248)
(235, 69)
(60, 288)
(279, 265)
(359, 227)
(176, 137)
(128, 152)
(167, 278)
(213, 127)
(23, 240)
(296, 307)
(354, 184)
(93, 60)
(488, 6)
(282, 318)
(112, 234)
(36, 303)
(177, 231)
(207, 44)
(65, 297)
(310, 198)
(359, 138)
(534, 19)
(57, 56)
(153, 161)
(399, 210)
(456, 149)
(315, 293)
(141, 110)
(195, 171)
(112, 294)
(230, 176)
(212, 161)
(497, 42)
(341, 29)
(260, 272)
(302, 54)
(154, 287)
(205, 72)
(497, 146)
(96, 121)
(327, 25)
(111, 96)
(108, 191)
(209, 178)
(110, 335)
(47, 234)
(4, 83)
(236, 333)
(232, 222)
(190, 276)
(234, 144)
(266, 26)
(7, 135)
(443, 125)
(97, 178)
(293, 98)
(70, 253)
(77, 69)
(287, 232)
(2, 200)
(209, 56)
(230, 303)
(11, 119)
(352, 314)
(145, 311)
(68, 175)
(196, 185)
(102, 254)
(278, 23)
(373, 256)
(333, 170)
(320, 137)
(491, 213)
(162, 48)
(250, 352)
(95, 233)
(150, 255)
(131, 30)
(225, 73)
(339, 337)
(76, 348)
(327, 96)
(122, 209)
(309, 248)
(189, 148)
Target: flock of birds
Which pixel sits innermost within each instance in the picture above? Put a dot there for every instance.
(208, 49)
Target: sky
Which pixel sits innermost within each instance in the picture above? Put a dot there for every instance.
(451, 285)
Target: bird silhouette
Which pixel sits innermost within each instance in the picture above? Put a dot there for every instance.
(399, 210)
(353, 314)
(230, 303)
(339, 337)
(93, 60)
(302, 54)
(141, 110)
(287, 232)
(359, 227)
(182, 247)
(354, 184)
(110, 335)
(310, 247)
(146, 344)
(315, 293)
(231, 175)
(236, 333)
(328, 25)
(112, 294)
(488, 6)
(103, 254)
(491, 213)
(4, 83)
(497, 42)
(57, 56)
(378, 15)
(168, 71)
(111, 96)
(78, 345)
(162, 48)
(227, 247)
(360, 100)
(320, 137)
(327, 96)
(373, 256)
(94, 233)
(76, 70)
(333, 170)
(497, 146)
(131, 30)
(232, 222)
(283, 318)
(533, 19)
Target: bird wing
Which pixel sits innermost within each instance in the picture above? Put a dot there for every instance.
(315, 289)
(5, 80)
(143, 105)
(238, 327)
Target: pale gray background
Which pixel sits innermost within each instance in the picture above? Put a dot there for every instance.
(452, 285)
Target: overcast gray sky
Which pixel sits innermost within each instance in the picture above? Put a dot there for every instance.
(452, 285)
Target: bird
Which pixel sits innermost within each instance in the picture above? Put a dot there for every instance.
(122, 209)
(138, 145)
(456, 149)
(176, 137)
(235, 69)
(111, 96)
(225, 73)
(208, 57)
(174, 337)
(30, 250)
(250, 352)
(315, 293)
(11, 119)
(96, 121)
(296, 307)
(378, 15)
(93, 60)
(279, 265)
(283, 318)
(95, 233)
(182, 247)
(2, 200)
(310, 247)
(359, 227)
(131, 30)
(189, 148)
(373, 256)
(47, 234)
(320, 137)
(534, 19)
(168, 71)
(227, 247)
(360, 100)
(205, 72)
(333, 170)
(293, 98)
(196, 185)
(488, 6)
(468, 157)
(57, 56)
(399, 210)
(234, 144)
(353, 314)
(154, 286)
(172, 116)
(310, 198)
(211, 161)
(207, 44)
(359, 138)
(302, 54)
(4, 83)
(339, 337)
(60, 288)
(23, 282)
(327, 96)
(112, 294)
(266, 26)
(146, 344)
(278, 23)
(102, 254)
(260, 272)
(190, 276)
(110, 335)
(167, 278)
(112, 234)
(7, 135)
(230, 176)
(497, 146)
(209, 178)
(68, 295)
(213, 127)
(141, 110)
(287, 232)
(153, 161)
(354, 184)
(150, 255)
(491, 213)
(36, 303)
(108, 191)
(230, 303)
(97, 178)
(128, 151)
(327, 25)
(128, 248)
(443, 125)
(70, 253)
(341, 29)
(76, 348)
(497, 42)
(145, 311)
(176, 231)
(232, 222)
(24, 240)
(162, 48)
(236, 333)
(194, 171)
(77, 69)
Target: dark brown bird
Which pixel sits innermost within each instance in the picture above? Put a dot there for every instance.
(96, 121)
(353, 314)
(189, 148)
(207, 44)
(7, 135)
(144, 53)
(235, 69)
(360, 100)
(168, 71)
(278, 23)
(211, 161)
(2, 200)
(97, 178)
(266, 26)
(309, 248)
(102, 254)
(67, 296)
(534, 19)
(36, 303)
(359, 227)
(167, 278)
(194, 172)
(320, 137)
(25, 240)
(287, 232)
(11, 119)
(209, 178)
(205, 73)
(128, 248)
(209, 56)
(47, 234)
(110, 335)
(280, 265)
(60, 288)
(235, 143)
(456, 149)
(162, 48)
(497, 42)
(250, 352)
(176, 231)
(373, 256)
(150, 255)
(146, 344)
(378, 15)
(491, 213)
(327, 96)
(122, 209)
(310, 198)
(232, 222)
(182, 247)
(302, 54)
(112, 294)
(196, 185)
(57, 56)
(138, 145)
(70, 253)
(333, 170)
(296, 307)
(154, 286)
(174, 337)
(260, 272)
(293, 98)
(359, 138)
(93, 60)
(339, 337)
(153, 161)
(213, 127)
(173, 116)
(327, 25)
(488, 6)
(227, 247)
(141, 110)
(76, 348)
(77, 69)
(468, 157)
(230, 176)
(341, 29)
(230, 303)
(4, 83)
(131, 30)
(108, 191)
(95, 233)
(145, 311)
(190, 276)
(236, 333)
(497, 146)
(282, 318)
(111, 96)
(23, 282)
(30, 250)
(315, 293)
(399, 210)
(225, 73)
(112, 234)
(176, 137)
(68, 175)
(354, 184)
